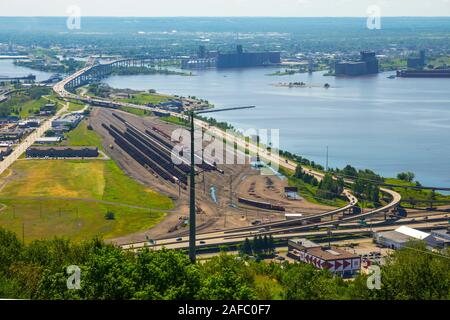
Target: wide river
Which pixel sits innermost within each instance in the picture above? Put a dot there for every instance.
(8, 69)
(387, 125)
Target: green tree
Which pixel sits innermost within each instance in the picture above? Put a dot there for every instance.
(304, 282)
(225, 278)
(412, 273)
(406, 176)
(246, 248)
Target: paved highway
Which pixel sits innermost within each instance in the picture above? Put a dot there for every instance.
(273, 158)
(436, 222)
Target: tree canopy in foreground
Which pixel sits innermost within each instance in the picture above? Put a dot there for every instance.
(38, 271)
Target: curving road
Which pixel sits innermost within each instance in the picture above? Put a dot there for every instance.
(283, 227)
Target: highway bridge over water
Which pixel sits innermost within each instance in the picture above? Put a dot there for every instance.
(95, 71)
(282, 228)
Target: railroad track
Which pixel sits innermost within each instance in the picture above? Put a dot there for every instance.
(277, 227)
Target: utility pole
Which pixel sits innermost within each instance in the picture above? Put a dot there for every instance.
(329, 233)
(327, 160)
(224, 219)
(204, 183)
(192, 208)
(231, 190)
(192, 224)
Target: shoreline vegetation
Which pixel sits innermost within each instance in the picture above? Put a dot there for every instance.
(287, 72)
(27, 102)
(366, 186)
(309, 188)
(38, 270)
(131, 71)
(144, 98)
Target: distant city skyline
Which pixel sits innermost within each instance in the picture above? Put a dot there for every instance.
(257, 8)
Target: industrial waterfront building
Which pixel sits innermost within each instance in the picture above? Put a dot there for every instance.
(238, 59)
(368, 64)
(203, 60)
(198, 64)
(241, 59)
(417, 68)
(417, 62)
(333, 259)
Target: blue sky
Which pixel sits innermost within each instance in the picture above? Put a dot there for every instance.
(292, 8)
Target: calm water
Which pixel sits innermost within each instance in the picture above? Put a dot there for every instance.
(7, 68)
(387, 125)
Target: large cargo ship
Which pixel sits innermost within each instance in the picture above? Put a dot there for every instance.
(440, 73)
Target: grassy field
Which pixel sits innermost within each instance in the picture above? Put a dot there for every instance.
(137, 112)
(25, 103)
(28, 108)
(174, 120)
(71, 197)
(309, 192)
(392, 64)
(82, 136)
(75, 219)
(75, 106)
(418, 195)
(440, 61)
(145, 98)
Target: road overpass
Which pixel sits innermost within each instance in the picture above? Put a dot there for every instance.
(82, 76)
(347, 229)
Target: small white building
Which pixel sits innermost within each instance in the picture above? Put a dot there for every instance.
(46, 140)
(401, 236)
(29, 123)
(70, 121)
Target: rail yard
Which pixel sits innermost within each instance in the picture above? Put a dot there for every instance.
(233, 201)
(144, 149)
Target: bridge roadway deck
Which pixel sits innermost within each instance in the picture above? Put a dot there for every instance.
(273, 158)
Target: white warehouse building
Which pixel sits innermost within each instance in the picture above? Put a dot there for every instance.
(400, 237)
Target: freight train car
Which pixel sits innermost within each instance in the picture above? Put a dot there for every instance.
(262, 205)
(142, 158)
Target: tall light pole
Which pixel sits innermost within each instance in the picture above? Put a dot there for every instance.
(192, 208)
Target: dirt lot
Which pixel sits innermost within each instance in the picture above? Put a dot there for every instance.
(212, 216)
